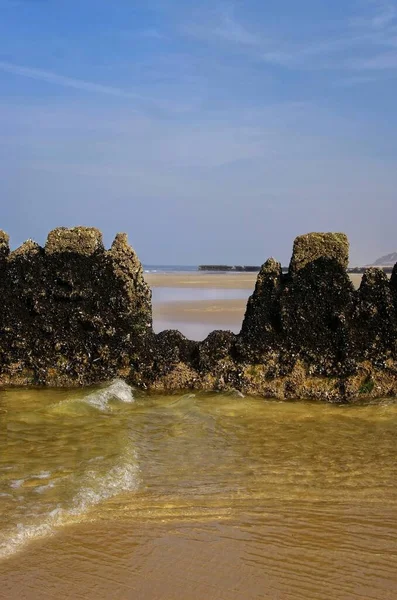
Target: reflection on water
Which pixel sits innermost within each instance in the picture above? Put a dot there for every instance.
(243, 497)
(185, 294)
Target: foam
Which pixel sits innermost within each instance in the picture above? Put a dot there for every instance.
(94, 489)
(120, 478)
(116, 390)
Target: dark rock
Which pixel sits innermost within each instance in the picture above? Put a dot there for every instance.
(73, 313)
(305, 314)
(169, 349)
(393, 285)
(4, 246)
(317, 304)
(260, 332)
(218, 346)
(375, 321)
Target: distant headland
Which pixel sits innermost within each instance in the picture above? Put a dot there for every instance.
(387, 261)
(74, 313)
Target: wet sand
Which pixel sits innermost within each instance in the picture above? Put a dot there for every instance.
(241, 281)
(216, 534)
(279, 556)
(222, 313)
(219, 312)
(195, 497)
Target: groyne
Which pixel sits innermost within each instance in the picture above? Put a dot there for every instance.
(73, 313)
(231, 268)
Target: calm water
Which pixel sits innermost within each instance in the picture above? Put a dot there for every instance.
(108, 493)
(186, 294)
(192, 330)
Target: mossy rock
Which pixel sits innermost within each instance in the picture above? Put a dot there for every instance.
(312, 246)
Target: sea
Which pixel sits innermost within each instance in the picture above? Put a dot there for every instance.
(192, 322)
(170, 268)
(110, 492)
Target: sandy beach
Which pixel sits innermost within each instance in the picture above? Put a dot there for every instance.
(196, 497)
(275, 557)
(240, 281)
(219, 313)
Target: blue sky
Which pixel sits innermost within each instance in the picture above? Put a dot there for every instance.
(208, 131)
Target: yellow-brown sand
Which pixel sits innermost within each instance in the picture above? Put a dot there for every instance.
(281, 555)
(240, 281)
(218, 312)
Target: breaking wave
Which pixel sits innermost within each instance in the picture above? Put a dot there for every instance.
(116, 390)
(43, 501)
(94, 488)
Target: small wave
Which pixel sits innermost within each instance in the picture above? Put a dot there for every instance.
(116, 390)
(185, 400)
(93, 488)
(24, 534)
(121, 478)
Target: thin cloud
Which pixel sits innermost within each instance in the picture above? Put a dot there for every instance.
(78, 84)
(381, 62)
(387, 13)
(354, 80)
(384, 19)
(153, 34)
(143, 103)
(231, 30)
(358, 44)
(223, 26)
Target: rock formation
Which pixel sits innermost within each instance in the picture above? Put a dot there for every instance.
(73, 313)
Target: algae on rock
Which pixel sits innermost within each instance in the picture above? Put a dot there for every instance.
(74, 313)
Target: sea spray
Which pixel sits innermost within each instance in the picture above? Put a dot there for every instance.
(101, 399)
(116, 390)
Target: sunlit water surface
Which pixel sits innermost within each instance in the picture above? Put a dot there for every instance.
(109, 493)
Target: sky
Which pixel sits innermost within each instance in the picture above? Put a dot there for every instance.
(210, 132)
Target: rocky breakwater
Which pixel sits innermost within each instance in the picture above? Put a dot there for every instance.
(73, 313)
(306, 334)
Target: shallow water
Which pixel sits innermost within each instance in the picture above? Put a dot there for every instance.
(108, 493)
(186, 294)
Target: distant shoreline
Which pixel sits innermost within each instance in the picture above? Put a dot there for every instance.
(221, 281)
(197, 318)
(256, 269)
